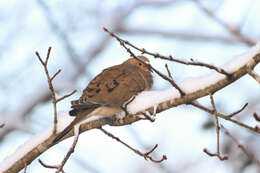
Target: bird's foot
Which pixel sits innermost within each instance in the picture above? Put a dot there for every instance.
(154, 110)
(124, 107)
(147, 116)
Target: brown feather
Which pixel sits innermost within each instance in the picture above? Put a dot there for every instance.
(110, 90)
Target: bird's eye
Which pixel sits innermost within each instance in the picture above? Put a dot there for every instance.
(140, 64)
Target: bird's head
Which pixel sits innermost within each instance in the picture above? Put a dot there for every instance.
(142, 66)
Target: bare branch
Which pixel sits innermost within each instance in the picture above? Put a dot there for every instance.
(179, 34)
(60, 166)
(251, 72)
(256, 116)
(222, 158)
(238, 111)
(169, 80)
(144, 155)
(217, 154)
(49, 166)
(71, 150)
(234, 30)
(53, 95)
(123, 42)
(239, 145)
(50, 79)
(188, 98)
(25, 167)
(169, 72)
(226, 117)
(254, 75)
(55, 74)
(65, 96)
(169, 58)
(68, 47)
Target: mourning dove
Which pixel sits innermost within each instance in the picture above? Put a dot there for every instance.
(110, 91)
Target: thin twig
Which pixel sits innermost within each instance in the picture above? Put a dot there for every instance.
(216, 86)
(60, 166)
(170, 81)
(65, 96)
(25, 167)
(254, 129)
(68, 47)
(71, 150)
(170, 33)
(169, 72)
(217, 154)
(254, 75)
(238, 111)
(49, 166)
(234, 30)
(55, 74)
(256, 116)
(53, 96)
(222, 158)
(123, 42)
(144, 155)
(169, 58)
(239, 145)
(251, 71)
(217, 123)
(50, 79)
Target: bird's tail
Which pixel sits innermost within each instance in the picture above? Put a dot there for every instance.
(82, 115)
(62, 134)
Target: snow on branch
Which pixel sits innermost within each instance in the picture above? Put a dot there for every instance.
(166, 99)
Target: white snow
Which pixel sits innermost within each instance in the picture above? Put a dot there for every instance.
(143, 101)
(63, 121)
(32, 143)
(147, 99)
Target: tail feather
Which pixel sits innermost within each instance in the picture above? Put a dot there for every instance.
(74, 112)
(80, 116)
(62, 134)
(77, 108)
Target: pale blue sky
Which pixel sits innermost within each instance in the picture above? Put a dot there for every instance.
(178, 131)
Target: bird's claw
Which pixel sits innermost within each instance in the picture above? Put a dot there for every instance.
(148, 116)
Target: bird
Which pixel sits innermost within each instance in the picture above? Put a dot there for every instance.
(111, 91)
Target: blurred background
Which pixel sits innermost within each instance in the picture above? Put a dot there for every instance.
(209, 31)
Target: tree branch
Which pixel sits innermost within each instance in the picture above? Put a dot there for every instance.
(50, 79)
(239, 145)
(217, 154)
(234, 30)
(251, 64)
(179, 34)
(168, 58)
(144, 155)
(188, 98)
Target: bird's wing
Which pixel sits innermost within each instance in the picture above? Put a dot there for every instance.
(112, 87)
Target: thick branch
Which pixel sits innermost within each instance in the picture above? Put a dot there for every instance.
(188, 98)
